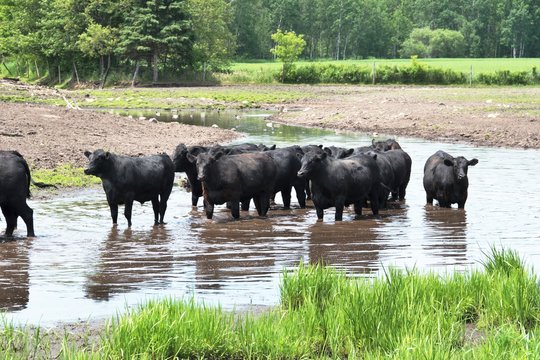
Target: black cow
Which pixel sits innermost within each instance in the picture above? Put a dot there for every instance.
(236, 178)
(287, 161)
(239, 148)
(386, 175)
(445, 179)
(15, 182)
(385, 145)
(308, 148)
(401, 164)
(341, 182)
(126, 179)
(182, 164)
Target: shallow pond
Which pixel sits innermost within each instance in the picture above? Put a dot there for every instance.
(80, 267)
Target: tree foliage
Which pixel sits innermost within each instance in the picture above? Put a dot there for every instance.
(57, 38)
(288, 48)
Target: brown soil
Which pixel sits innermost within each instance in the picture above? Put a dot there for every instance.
(48, 136)
(483, 116)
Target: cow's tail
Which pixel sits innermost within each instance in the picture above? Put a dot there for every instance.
(28, 176)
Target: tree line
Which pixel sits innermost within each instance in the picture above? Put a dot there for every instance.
(154, 38)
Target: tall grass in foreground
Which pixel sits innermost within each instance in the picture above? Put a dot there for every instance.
(492, 313)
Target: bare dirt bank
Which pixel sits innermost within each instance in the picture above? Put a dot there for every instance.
(48, 136)
(496, 116)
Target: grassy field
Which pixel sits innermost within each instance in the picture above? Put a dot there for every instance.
(463, 65)
(491, 313)
(262, 72)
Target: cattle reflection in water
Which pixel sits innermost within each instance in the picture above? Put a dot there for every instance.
(446, 233)
(349, 245)
(14, 277)
(130, 260)
(232, 250)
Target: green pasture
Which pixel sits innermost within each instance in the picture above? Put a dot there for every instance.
(483, 65)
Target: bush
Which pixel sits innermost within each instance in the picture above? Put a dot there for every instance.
(507, 77)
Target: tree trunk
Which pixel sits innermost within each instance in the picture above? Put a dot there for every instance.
(101, 66)
(59, 76)
(155, 66)
(37, 68)
(204, 72)
(76, 72)
(104, 78)
(3, 63)
(135, 73)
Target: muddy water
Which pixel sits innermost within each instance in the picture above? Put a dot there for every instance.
(80, 267)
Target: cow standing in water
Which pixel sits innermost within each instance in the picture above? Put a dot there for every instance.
(15, 182)
(126, 179)
(182, 164)
(445, 179)
(235, 179)
(341, 182)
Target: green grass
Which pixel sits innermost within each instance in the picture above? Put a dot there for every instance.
(485, 65)
(323, 314)
(65, 175)
(164, 98)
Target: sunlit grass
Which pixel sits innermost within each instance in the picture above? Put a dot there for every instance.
(65, 175)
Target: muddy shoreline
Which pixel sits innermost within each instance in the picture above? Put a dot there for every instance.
(501, 117)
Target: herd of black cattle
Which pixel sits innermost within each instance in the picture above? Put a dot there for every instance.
(330, 176)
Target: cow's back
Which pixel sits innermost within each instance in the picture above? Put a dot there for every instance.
(14, 177)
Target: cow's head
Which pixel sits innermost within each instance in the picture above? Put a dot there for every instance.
(180, 156)
(460, 166)
(99, 162)
(310, 162)
(204, 161)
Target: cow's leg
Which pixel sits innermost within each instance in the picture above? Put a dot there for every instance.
(374, 200)
(194, 200)
(286, 196)
(339, 211)
(320, 212)
(11, 220)
(245, 204)
(358, 208)
(429, 199)
(257, 203)
(208, 208)
(235, 209)
(402, 191)
(155, 207)
(114, 212)
(127, 210)
(162, 209)
(301, 195)
(27, 214)
(265, 203)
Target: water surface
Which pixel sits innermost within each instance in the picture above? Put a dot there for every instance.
(81, 267)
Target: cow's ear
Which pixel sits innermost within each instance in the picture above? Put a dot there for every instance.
(327, 151)
(191, 158)
(321, 146)
(448, 162)
(107, 155)
(472, 162)
(273, 147)
(87, 154)
(299, 155)
(218, 155)
(347, 153)
(324, 155)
